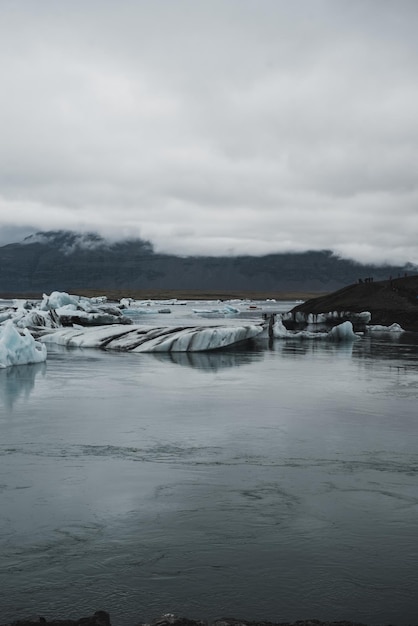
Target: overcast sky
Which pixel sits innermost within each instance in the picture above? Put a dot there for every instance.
(213, 126)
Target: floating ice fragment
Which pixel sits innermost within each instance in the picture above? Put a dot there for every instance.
(342, 332)
(58, 299)
(281, 332)
(393, 328)
(322, 318)
(17, 348)
(164, 339)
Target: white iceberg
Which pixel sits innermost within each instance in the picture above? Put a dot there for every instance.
(226, 309)
(125, 303)
(323, 318)
(280, 332)
(17, 348)
(343, 332)
(164, 339)
(58, 299)
(6, 314)
(393, 328)
(82, 311)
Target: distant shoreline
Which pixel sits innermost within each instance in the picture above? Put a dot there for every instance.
(164, 294)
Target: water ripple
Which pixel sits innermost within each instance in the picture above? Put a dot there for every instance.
(208, 456)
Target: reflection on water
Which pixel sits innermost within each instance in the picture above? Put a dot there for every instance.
(392, 346)
(18, 382)
(302, 347)
(211, 361)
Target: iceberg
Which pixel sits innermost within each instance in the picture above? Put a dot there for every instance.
(58, 299)
(393, 328)
(281, 332)
(70, 315)
(330, 317)
(146, 339)
(5, 314)
(227, 309)
(36, 319)
(19, 348)
(63, 309)
(343, 332)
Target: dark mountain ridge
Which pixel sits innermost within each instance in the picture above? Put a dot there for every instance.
(71, 261)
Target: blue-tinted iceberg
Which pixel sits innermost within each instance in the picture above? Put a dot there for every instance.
(58, 299)
(19, 348)
(342, 332)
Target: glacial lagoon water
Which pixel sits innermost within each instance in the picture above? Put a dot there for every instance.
(274, 483)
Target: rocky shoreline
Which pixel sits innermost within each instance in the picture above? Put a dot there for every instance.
(102, 618)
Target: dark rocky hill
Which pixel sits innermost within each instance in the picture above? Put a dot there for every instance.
(388, 301)
(69, 261)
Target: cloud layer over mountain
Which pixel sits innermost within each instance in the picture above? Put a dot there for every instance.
(213, 127)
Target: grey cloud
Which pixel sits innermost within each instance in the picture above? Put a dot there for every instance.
(213, 127)
(11, 234)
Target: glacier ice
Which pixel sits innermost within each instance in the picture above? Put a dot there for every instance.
(72, 320)
(164, 339)
(226, 309)
(58, 299)
(393, 328)
(343, 332)
(62, 309)
(280, 332)
(299, 317)
(19, 348)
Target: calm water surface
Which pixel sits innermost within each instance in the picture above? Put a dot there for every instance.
(275, 483)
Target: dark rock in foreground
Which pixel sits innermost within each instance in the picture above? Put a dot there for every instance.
(173, 620)
(101, 618)
(388, 301)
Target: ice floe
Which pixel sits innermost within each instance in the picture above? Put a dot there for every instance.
(393, 328)
(281, 332)
(225, 310)
(146, 339)
(19, 348)
(341, 333)
(62, 309)
(71, 320)
(313, 319)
